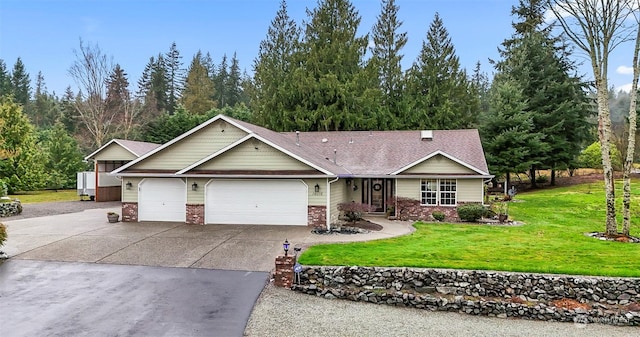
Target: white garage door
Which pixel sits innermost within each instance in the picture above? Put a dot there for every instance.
(162, 200)
(256, 202)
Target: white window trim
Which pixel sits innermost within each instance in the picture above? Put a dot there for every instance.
(438, 193)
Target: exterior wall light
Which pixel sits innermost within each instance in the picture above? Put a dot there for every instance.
(317, 188)
(285, 246)
(129, 185)
(194, 186)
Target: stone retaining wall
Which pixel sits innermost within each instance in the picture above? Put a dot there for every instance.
(10, 208)
(529, 296)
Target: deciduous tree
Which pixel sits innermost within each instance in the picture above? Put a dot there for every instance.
(597, 27)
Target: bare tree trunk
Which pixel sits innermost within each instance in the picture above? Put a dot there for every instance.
(598, 27)
(604, 133)
(631, 144)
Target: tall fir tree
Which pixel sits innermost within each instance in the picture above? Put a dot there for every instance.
(329, 87)
(44, 110)
(272, 71)
(120, 102)
(220, 82)
(67, 111)
(197, 97)
(386, 58)
(438, 87)
(508, 137)
(20, 83)
(234, 82)
(5, 80)
(555, 95)
(175, 77)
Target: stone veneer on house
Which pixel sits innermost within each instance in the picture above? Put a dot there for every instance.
(129, 212)
(607, 300)
(195, 214)
(317, 216)
(411, 209)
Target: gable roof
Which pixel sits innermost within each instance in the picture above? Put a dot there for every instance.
(352, 153)
(392, 152)
(136, 148)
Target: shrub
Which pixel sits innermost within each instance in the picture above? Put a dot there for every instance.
(353, 211)
(3, 234)
(471, 212)
(543, 179)
(438, 215)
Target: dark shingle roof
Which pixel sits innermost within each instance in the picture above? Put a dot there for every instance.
(376, 152)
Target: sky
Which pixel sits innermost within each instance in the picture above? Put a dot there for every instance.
(44, 33)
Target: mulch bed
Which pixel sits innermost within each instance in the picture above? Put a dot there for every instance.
(365, 224)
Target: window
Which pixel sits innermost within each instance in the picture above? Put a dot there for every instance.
(429, 190)
(447, 192)
(438, 192)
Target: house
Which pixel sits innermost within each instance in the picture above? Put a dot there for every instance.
(227, 171)
(111, 156)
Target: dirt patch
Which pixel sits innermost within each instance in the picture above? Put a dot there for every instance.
(570, 304)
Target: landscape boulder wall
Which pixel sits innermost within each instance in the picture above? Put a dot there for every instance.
(10, 208)
(605, 300)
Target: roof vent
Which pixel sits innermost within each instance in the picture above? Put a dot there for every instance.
(426, 135)
(298, 138)
(324, 140)
(351, 140)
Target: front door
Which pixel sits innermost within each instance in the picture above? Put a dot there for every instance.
(376, 192)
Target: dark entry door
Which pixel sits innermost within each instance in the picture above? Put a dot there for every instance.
(376, 192)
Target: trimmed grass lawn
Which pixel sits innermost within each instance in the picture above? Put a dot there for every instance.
(46, 196)
(551, 240)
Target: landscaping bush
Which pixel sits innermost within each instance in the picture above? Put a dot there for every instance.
(438, 215)
(353, 211)
(543, 179)
(471, 212)
(3, 234)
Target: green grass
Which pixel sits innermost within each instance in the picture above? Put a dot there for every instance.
(46, 196)
(552, 240)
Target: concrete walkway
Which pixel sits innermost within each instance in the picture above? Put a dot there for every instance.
(88, 237)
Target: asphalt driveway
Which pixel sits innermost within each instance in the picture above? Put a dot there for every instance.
(79, 299)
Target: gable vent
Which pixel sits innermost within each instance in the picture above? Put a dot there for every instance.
(426, 135)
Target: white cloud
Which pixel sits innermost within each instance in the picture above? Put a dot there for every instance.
(624, 87)
(625, 70)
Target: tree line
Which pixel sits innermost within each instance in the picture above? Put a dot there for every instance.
(322, 74)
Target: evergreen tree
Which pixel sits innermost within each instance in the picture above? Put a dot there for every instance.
(44, 110)
(175, 77)
(507, 131)
(438, 87)
(234, 82)
(120, 103)
(328, 89)
(555, 97)
(273, 68)
(63, 157)
(199, 89)
(5, 80)
(21, 167)
(386, 59)
(67, 114)
(481, 85)
(153, 87)
(20, 83)
(220, 82)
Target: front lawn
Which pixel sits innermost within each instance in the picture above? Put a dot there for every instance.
(46, 196)
(551, 240)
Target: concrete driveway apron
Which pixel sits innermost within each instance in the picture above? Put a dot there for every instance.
(88, 237)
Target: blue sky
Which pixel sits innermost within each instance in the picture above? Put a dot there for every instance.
(44, 33)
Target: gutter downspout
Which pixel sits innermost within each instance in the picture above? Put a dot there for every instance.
(329, 201)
